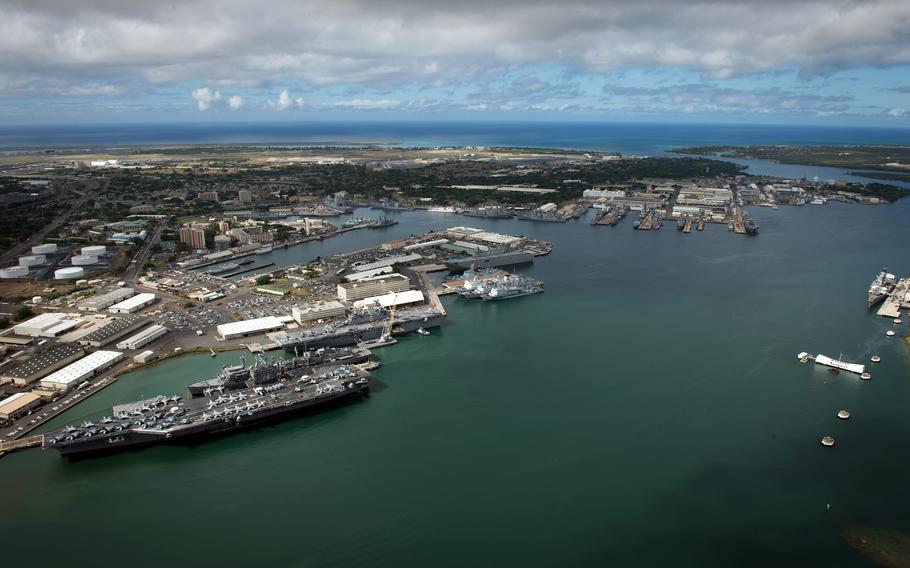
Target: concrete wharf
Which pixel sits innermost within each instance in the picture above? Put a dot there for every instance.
(891, 307)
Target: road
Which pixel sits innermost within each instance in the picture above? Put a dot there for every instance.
(132, 274)
(37, 238)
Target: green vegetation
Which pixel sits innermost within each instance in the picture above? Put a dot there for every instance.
(264, 279)
(23, 313)
(886, 158)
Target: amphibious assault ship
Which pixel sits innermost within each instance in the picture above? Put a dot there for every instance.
(231, 376)
(363, 325)
(264, 392)
(881, 287)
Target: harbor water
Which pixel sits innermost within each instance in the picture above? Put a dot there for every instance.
(648, 409)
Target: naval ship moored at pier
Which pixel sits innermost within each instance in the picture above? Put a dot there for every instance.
(263, 392)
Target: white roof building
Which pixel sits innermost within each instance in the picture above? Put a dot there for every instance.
(245, 328)
(45, 325)
(366, 274)
(143, 338)
(390, 261)
(133, 304)
(82, 369)
(392, 299)
(497, 238)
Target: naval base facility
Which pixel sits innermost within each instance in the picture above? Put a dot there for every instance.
(352, 303)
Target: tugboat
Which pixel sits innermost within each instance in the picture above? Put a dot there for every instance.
(751, 227)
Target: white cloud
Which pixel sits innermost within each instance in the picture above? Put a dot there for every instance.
(897, 112)
(205, 97)
(235, 102)
(285, 102)
(323, 41)
(367, 104)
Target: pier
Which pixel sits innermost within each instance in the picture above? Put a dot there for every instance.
(20, 444)
(891, 307)
(245, 270)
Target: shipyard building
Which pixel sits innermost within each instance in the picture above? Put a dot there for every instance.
(46, 325)
(42, 364)
(102, 301)
(238, 329)
(318, 311)
(143, 338)
(112, 331)
(19, 403)
(373, 286)
(133, 304)
(83, 369)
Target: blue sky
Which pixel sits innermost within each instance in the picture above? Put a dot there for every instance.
(774, 61)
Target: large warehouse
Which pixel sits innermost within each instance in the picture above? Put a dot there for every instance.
(15, 405)
(113, 330)
(45, 325)
(133, 304)
(246, 328)
(83, 369)
(143, 338)
(42, 364)
(98, 303)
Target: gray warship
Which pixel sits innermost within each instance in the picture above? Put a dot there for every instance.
(230, 376)
(489, 259)
(264, 392)
(362, 325)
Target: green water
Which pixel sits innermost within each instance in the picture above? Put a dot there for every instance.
(646, 410)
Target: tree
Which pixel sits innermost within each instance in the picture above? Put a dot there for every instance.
(264, 279)
(23, 312)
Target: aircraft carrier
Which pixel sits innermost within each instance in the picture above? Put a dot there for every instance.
(264, 392)
(489, 260)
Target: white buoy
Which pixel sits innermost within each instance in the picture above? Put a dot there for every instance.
(827, 441)
(843, 414)
(865, 376)
(876, 359)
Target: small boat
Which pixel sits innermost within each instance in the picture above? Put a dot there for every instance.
(865, 376)
(889, 333)
(827, 441)
(898, 321)
(876, 359)
(843, 414)
(422, 331)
